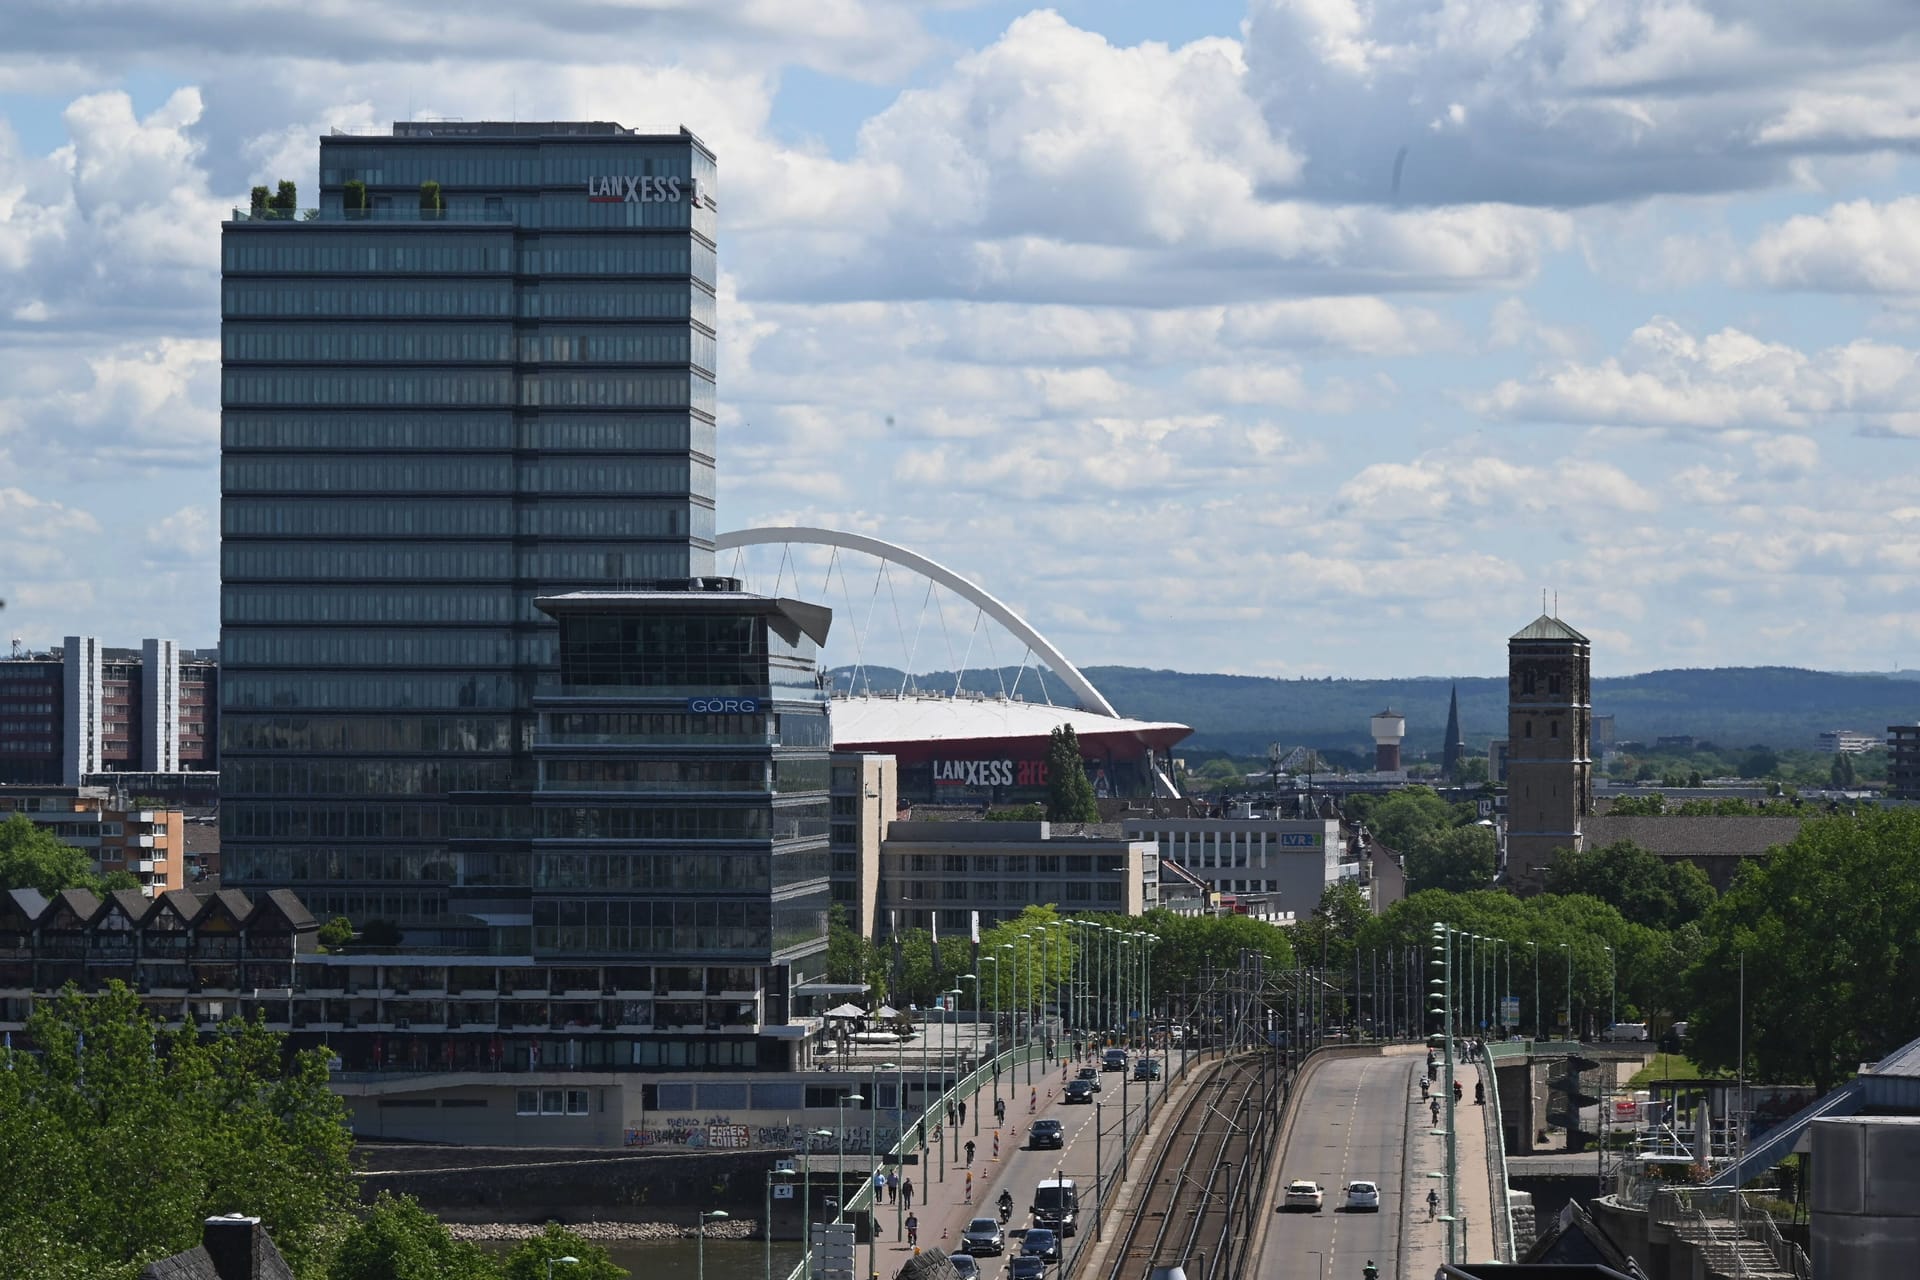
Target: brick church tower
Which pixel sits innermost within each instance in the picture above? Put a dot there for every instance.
(1549, 725)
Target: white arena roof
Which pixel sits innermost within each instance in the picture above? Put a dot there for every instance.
(870, 721)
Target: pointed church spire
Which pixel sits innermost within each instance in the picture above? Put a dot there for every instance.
(1455, 750)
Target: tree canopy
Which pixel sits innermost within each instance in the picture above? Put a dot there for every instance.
(122, 1137)
(1829, 926)
(1642, 886)
(31, 857)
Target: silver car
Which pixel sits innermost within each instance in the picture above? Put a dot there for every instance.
(964, 1266)
(983, 1238)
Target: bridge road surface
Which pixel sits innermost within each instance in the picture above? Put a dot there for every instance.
(941, 1206)
(1352, 1124)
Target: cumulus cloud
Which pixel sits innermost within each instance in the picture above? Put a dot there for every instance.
(1473, 485)
(1859, 246)
(1533, 102)
(1668, 377)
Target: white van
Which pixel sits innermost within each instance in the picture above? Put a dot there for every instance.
(1056, 1205)
(1627, 1031)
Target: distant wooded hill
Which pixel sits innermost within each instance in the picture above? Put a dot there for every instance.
(1780, 707)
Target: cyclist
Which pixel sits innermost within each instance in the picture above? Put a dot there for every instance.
(1433, 1204)
(913, 1232)
(1372, 1272)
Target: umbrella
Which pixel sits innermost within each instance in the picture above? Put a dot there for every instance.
(886, 1011)
(846, 1011)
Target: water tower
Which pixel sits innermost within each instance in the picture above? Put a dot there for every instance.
(1389, 727)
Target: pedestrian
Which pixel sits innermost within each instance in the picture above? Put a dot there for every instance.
(1435, 1105)
(879, 1185)
(906, 1194)
(969, 1153)
(951, 1114)
(893, 1187)
(963, 1113)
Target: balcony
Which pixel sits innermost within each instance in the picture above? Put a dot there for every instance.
(400, 213)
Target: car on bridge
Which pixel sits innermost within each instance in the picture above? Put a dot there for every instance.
(1079, 1091)
(1146, 1069)
(1025, 1268)
(1040, 1243)
(964, 1267)
(1114, 1059)
(983, 1237)
(1046, 1133)
(1363, 1197)
(1091, 1075)
(1303, 1195)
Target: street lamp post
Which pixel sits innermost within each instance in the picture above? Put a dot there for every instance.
(709, 1215)
(955, 993)
(840, 1166)
(1569, 1009)
(806, 1204)
(973, 1041)
(568, 1261)
(1534, 947)
(1613, 978)
(1443, 947)
(1026, 1006)
(766, 1225)
(873, 1159)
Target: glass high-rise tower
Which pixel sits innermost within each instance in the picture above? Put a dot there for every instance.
(479, 372)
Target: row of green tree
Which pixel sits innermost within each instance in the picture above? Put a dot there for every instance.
(1823, 936)
(1040, 951)
(122, 1137)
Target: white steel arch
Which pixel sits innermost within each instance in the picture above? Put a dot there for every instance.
(1090, 698)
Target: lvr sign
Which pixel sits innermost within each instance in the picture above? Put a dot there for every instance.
(1299, 840)
(630, 188)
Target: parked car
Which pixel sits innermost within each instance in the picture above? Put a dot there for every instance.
(1079, 1091)
(1363, 1197)
(982, 1238)
(1040, 1243)
(964, 1267)
(1114, 1060)
(1146, 1069)
(1046, 1133)
(1091, 1075)
(1025, 1268)
(1302, 1194)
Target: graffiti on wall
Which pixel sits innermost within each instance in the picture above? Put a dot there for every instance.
(721, 1133)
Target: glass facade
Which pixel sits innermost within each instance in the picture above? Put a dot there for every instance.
(430, 419)
(682, 802)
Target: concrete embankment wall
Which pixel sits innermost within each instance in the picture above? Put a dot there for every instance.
(512, 1184)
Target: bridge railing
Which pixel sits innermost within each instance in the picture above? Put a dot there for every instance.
(1504, 1249)
(909, 1142)
(1537, 1048)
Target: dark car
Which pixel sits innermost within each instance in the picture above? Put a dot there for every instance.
(1091, 1075)
(982, 1238)
(1080, 1091)
(1046, 1133)
(1114, 1060)
(1146, 1069)
(1040, 1243)
(1025, 1268)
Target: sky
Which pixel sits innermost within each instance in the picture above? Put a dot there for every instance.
(1285, 337)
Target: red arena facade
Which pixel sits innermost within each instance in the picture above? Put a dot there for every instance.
(984, 750)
